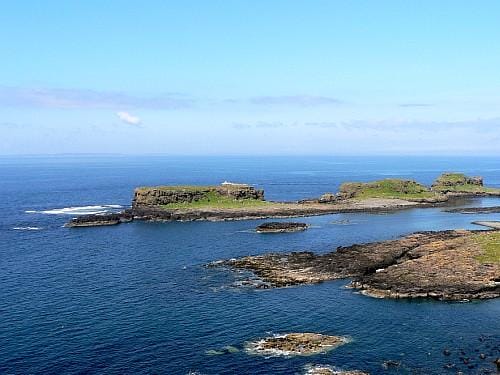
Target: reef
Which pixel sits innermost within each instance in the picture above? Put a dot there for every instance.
(446, 265)
(295, 344)
(281, 227)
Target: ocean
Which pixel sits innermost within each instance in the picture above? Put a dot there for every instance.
(138, 299)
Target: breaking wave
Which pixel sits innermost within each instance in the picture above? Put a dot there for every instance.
(82, 210)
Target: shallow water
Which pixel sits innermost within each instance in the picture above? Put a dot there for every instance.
(136, 298)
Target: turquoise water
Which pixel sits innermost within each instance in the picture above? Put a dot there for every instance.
(137, 298)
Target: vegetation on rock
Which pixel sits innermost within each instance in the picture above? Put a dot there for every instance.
(388, 188)
(490, 244)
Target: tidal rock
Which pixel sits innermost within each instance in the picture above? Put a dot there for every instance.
(99, 220)
(281, 227)
(291, 344)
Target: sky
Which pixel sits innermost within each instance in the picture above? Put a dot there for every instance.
(250, 77)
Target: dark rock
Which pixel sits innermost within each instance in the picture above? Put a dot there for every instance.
(99, 220)
(446, 352)
(281, 227)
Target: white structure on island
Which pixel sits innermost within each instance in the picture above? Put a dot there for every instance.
(227, 183)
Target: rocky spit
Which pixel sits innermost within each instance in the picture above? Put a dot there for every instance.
(475, 210)
(440, 265)
(489, 224)
(281, 227)
(292, 344)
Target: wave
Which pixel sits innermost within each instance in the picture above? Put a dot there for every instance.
(27, 228)
(81, 210)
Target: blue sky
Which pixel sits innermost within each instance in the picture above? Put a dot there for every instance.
(250, 77)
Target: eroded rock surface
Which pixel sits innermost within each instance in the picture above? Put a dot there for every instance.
(443, 265)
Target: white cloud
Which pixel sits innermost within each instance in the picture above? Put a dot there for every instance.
(128, 118)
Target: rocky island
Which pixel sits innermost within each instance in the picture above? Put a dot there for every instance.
(295, 344)
(446, 265)
(230, 201)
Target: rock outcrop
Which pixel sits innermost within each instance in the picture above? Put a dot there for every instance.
(99, 220)
(295, 344)
(456, 179)
(165, 195)
(442, 265)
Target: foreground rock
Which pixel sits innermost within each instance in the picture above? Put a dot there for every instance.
(295, 344)
(281, 227)
(99, 220)
(448, 265)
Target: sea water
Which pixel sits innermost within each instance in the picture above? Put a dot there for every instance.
(137, 298)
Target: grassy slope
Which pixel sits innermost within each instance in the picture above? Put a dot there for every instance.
(214, 200)
(393, 188)
(490, 243)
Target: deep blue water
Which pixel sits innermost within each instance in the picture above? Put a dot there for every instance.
(136, 298)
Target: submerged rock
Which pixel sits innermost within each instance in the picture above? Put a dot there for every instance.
(295, 344)
(281, 227)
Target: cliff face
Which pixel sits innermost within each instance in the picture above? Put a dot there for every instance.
(164, 195)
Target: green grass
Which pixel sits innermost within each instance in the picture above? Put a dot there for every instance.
(490, 243)
(452, 178)
(214, 200)
(389, 188)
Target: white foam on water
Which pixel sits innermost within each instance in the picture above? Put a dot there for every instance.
(27, 228)
(81, 210)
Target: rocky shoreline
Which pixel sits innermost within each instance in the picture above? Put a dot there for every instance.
(439, 265)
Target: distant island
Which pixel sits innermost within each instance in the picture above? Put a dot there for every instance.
(234, 201)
